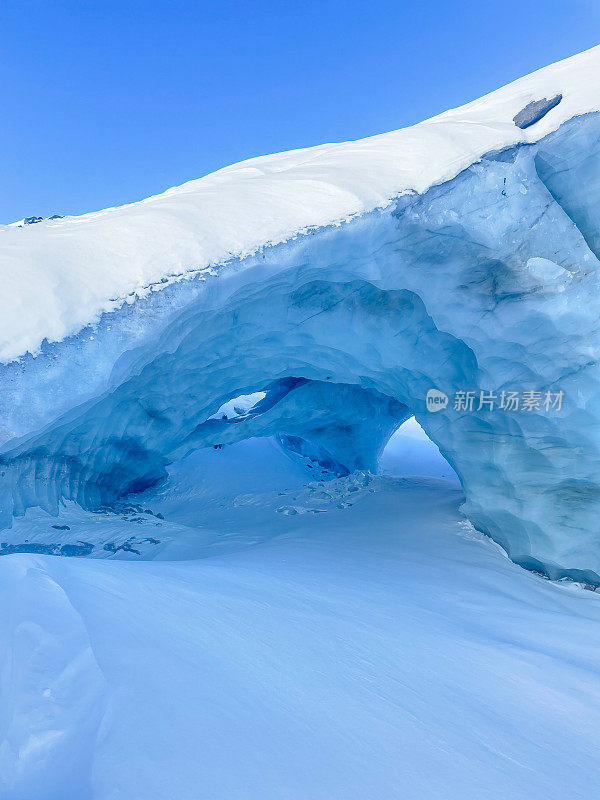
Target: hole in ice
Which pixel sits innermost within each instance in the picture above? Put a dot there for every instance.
(238, 406)
(411, 452)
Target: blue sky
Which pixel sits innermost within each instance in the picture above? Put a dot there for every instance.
(108, 102)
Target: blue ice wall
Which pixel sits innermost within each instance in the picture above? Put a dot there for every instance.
(488, 282)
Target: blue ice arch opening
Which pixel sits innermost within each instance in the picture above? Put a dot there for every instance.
(488, 282)
(409, 452)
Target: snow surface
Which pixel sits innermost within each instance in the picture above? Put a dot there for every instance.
(57, 276)
(371, 646)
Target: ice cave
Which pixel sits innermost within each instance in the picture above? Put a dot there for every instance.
(470, 287)
(191, 383)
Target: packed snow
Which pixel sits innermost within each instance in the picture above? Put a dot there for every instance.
(371, 645)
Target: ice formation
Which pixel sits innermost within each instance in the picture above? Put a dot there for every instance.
(344, 282)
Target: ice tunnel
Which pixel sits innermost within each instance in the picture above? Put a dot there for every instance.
(481, 290)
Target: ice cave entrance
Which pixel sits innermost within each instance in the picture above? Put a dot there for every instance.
(410, 452)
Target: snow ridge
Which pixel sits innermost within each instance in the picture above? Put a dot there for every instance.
(60, 275)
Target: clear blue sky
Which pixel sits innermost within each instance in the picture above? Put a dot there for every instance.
(107, 102)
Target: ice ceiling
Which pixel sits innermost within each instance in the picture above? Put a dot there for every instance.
(488, 282)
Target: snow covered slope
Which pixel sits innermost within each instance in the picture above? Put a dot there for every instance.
(371, 646)
(57, 276)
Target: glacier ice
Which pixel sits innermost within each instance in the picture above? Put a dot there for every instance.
(488, 281)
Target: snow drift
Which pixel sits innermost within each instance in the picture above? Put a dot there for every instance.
(344, 282)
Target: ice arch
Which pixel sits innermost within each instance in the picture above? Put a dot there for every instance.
(488, 282)
(410, 453)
